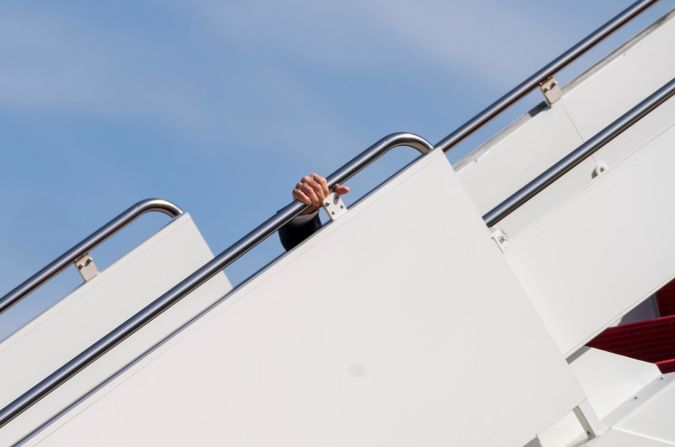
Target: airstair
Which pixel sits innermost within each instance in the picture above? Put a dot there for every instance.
(522, 297)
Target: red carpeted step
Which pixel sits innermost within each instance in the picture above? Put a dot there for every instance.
(665, 298)
(651, 341)
(666, 366)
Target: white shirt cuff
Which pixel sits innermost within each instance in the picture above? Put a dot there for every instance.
(303, 218)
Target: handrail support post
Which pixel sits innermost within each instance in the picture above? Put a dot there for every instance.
(551, 90)
(87, 267)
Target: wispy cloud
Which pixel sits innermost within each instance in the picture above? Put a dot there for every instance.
(65, 66)
(482, 42)
(479, 42)
(264, 53)
(61, 65)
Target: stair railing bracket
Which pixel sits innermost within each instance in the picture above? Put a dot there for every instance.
(500, 237)
(551, 90)
(334, 206)
(87, 267)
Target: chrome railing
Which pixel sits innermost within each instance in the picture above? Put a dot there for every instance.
(207, 271)
(84, 247)
(270, 226)
(581, 153)
(543, 74)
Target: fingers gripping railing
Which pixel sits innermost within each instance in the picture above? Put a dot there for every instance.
(207, 271)
(98, 236)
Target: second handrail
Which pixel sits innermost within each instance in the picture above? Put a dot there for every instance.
(86, 245)
(581, 153)
(542, 74)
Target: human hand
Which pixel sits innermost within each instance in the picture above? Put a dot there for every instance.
(313, 189)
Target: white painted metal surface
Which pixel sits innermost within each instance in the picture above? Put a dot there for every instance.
(616, 84)
(97, 307)
(424, 337)
(620, 438)
(517, 155)
(605, 250)
(564, 433)
(609, 379)
(334, 206)
(532, 144)
(651, 413)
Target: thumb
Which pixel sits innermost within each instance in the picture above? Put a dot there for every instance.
(341, 189)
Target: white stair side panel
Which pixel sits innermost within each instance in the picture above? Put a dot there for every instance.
(516, 156)
(399, 324)
(519, 224)
(566, 432)
(610, 379)
(620, 438)
(533, 144)
(652, 415)
(606, 249)
(616, 85)
(96, 308)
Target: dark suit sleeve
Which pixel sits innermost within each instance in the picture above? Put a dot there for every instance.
(295, 232)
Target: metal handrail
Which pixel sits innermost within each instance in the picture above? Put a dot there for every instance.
(581, 153)
(203, 274)
(543, 74)
(94, 239)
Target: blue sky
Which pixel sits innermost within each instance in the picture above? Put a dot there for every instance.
(221, 106)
